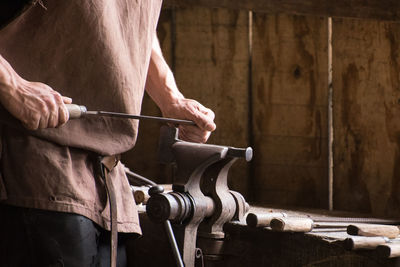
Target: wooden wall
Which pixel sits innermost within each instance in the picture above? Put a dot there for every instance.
(367, 115)
(289, 110)
(270, 91)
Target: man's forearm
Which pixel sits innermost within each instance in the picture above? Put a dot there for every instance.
(160, 84)
(8, 77)
(161, 87)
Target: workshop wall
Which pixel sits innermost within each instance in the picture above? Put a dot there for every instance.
(290, 110)
(266, 78)
(367, 115)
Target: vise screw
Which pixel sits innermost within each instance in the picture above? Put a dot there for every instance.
(201, 202)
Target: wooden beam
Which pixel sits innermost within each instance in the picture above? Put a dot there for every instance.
(371, 9)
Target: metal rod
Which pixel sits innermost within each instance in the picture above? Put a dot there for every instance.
(174, 245)
(141, 179)
(250, 126)
(138, 117)
(320, 219)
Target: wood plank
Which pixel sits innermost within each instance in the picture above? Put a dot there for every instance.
(290, 151)
(293, 120)
(366, 83)
(289, 111)
(292, 185)
(373, 9)
(212, 67)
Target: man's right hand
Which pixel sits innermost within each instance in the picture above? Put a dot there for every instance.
(35, 104)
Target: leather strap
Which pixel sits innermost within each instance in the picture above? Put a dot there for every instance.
(108, 163)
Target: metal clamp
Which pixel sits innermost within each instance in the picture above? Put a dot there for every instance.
(201, 202)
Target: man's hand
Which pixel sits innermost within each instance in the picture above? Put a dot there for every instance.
(192, 110)
(161, 87)
(35, 104)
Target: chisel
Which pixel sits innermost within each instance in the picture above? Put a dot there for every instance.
(78, 111)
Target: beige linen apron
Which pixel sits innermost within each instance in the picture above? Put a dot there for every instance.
(96, 52)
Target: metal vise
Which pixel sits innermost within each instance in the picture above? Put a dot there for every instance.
(201, 202)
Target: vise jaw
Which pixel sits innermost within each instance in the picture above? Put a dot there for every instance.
(201, 202)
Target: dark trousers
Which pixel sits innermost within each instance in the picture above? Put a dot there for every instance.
(31, 237)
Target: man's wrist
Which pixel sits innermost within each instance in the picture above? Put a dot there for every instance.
(9, 79)
(169, 97)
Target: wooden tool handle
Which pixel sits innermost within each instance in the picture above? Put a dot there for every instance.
(363, 242)
(389, 250)
(75, 111)
(292, 224)
(390, 231)
(263, 219)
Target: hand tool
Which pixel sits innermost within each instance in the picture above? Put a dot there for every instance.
(304, 224)
(298, 224)
(390, 249)
(363, 242)
(263, 219)
(385, 247)
(389, 231)
(78, 111)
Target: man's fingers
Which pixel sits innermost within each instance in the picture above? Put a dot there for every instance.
(53, 120)
(193, 134)
(63, 115)
(67, 100)
(43, 122)
(190, 109)
(203, 117)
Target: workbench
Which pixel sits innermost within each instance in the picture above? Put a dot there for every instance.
(246, 246)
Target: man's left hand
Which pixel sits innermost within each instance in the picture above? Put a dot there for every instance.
(190, 109)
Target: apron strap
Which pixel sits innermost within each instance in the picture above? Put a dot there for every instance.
(108, 163)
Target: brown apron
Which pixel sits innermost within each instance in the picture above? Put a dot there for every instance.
(96, 52)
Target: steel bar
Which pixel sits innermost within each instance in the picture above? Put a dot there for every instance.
(138, 117)
(174, 245)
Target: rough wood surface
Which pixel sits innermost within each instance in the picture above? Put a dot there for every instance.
(377, 9)
(290, 110)
(366, 83)
(211, 66)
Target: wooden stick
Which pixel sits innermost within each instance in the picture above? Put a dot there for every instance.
(389, 231)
